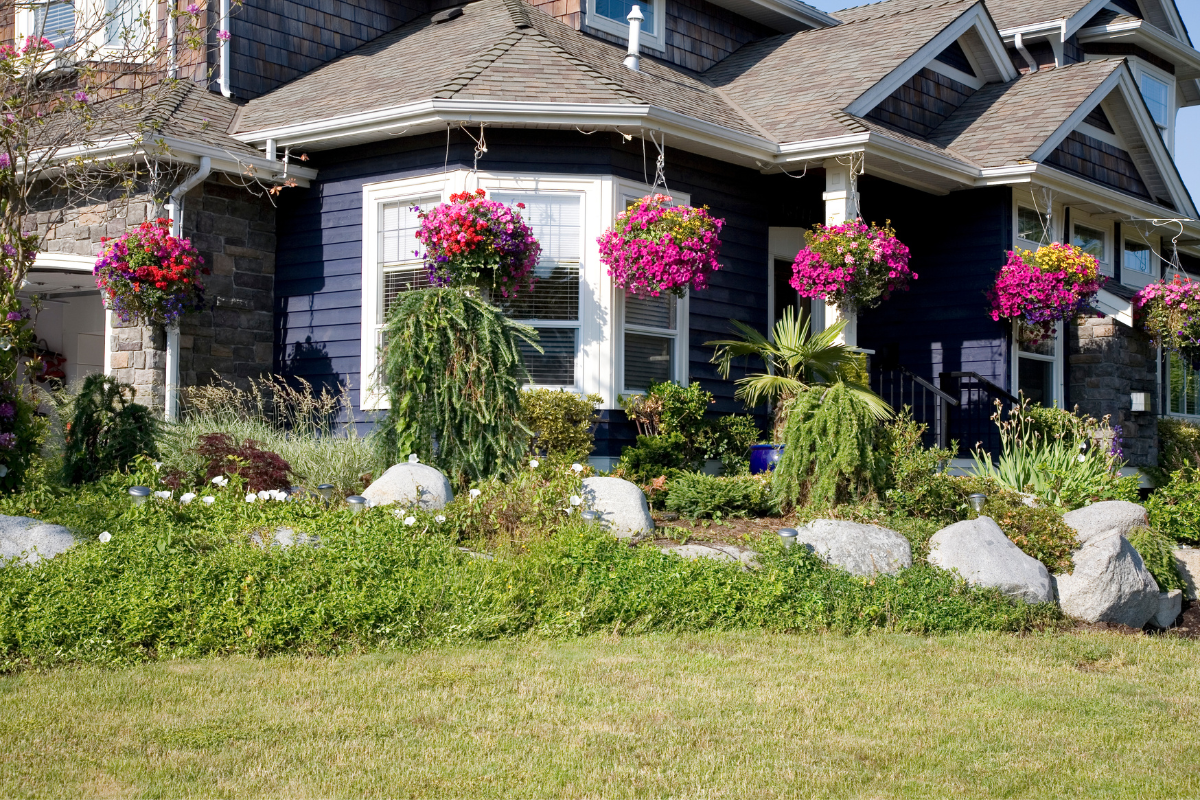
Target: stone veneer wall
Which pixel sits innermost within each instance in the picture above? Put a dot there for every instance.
(234, 231)
(1106, 361)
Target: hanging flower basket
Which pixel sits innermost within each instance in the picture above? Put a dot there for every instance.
(1039, 289)
(853, 265)
(149, 276)
(473, 241)
(655, 248)
(1170, 314)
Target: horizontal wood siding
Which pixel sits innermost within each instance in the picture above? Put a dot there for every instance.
(1098, 161)
(274, 41)
(318, 286)
(922, 103)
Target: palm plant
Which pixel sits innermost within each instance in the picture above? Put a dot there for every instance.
(796, 359)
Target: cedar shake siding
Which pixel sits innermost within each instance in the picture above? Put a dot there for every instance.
(922, 103)
(318, 280)
(1098, 161)
(277, 40)
(699, 34)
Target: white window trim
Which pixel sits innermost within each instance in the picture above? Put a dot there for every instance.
(655, 39)
(1140, 68)
(784, 244)
(1166, 388)
(1131, 277)
(89, 14)
(1056, 359)
(596, 370)
(682, 335)
(1028, 204)
(1102, 225)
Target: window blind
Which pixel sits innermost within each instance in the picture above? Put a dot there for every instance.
(651, 312)
(56, 22)
(398, 224)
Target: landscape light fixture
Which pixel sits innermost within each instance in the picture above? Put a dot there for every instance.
(356, 502)
(977, 500)
(139, 494)
(326, 490)
(788, 536)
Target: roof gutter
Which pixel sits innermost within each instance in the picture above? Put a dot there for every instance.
(1156, 41)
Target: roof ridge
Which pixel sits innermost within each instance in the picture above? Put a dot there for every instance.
(166, 105)
(583, 66)
(920, 7)
(479, 64)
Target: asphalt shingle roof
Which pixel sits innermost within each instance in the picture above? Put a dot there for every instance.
(1006, 13)
(791, 84)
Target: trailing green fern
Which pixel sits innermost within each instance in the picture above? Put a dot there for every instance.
(453, 372)
(829, 455)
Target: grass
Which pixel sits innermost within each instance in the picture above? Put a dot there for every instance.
(741, 715)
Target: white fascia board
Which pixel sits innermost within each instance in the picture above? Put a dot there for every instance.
(975, 17)
(1113, 306)
(1151, 38)
(770, 12)
(920, 158)
(814, 149)
(65, 262)
(442, 111)
(1065, 27)
(1078, 115)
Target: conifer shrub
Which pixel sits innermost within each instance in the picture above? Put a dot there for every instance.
(453, 372)
(916, 481)
(694, 494)
(107, 431)
(563, 423)
(1178, 445)
(830, 453)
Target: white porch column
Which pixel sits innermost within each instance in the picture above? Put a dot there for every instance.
(841, 204)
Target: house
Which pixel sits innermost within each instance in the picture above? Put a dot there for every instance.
(975, 126)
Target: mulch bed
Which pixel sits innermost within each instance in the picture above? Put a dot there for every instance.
(734, 530)
(1188, 626)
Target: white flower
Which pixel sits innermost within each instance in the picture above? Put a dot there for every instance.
(1082, 457)
(187, 497)
(576, 499)
(264, 495)
(104, 537)
(208, 499)
(413, 459)
(3, 470)
(410, 520)
(157, 466)
(164, 495)
(475, 493)
(570, 511)
(577, 467)
(279, 495)
(533, 462)
(221, 480)
(439, 518)
(250, 498)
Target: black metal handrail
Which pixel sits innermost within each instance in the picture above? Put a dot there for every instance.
(928, 405)
(971, 424)
(988, 386)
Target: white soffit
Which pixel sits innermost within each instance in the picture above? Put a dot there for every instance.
(780, 15)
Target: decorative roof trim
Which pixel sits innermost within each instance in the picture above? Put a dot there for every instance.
(1153, 39)
(977, 18)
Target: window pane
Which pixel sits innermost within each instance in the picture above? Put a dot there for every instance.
(125, 22)
(56, 22)
(619, 9)
(398, 225)
(555, 220)
(1031, 226)
(648, 359)
(651, 312)
(1090, 240)
(398, 281)
(556, 365)
(1137, 258)
(1036, 379)
(1026, 336)
(555, 296)
(1154, 92)
(1185, 387)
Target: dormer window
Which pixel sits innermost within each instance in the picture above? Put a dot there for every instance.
(1155, 93)
(609, 16)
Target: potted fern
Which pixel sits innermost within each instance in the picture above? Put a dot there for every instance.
(796, 359)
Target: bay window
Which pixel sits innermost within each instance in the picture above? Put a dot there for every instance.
(1033, 228)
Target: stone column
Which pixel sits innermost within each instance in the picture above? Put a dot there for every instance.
(841, 204)
(138, 357)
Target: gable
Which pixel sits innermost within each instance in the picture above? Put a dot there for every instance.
(1091, 158)
(922, 103)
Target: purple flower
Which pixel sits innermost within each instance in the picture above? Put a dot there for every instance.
(7, 410)
(193, 9)
(13, 316)
(4, 161)
(81, 97)
(8, 441)
(224, 36)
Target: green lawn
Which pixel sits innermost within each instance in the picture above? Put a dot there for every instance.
(737, 715)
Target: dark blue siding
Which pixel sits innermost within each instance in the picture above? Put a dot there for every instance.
(318, 268)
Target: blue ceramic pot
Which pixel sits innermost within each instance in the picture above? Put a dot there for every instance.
(764, 457)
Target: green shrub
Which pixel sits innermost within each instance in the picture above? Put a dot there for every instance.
(454, 382)
(1065, 459)
(653, 457)
(1174, 508)
(829, 454)
(24, 432)
(562, 422)
(694, 494)
(727, 439)
(1039, 532)
(916, 481)
(1158, 553)
(1178, 444)
(185, 581)
(107, 431)
(668, 408)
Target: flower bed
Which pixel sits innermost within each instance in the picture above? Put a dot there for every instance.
(852, 264)
(473, 241)
(1041, 288)
(150, 276)
(655, 248)
(1167, 313)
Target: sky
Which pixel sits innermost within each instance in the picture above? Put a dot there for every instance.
(1187, 123)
